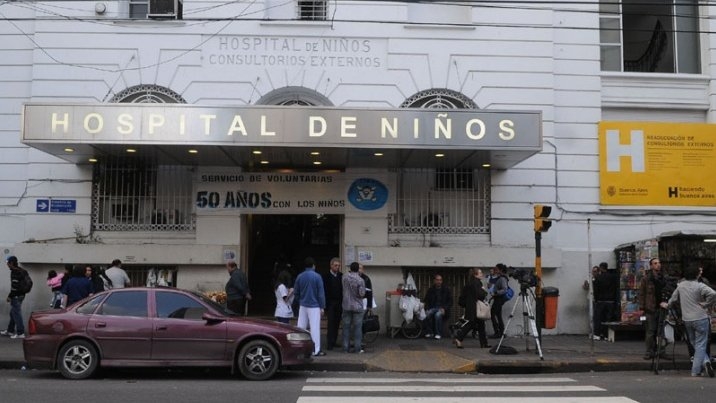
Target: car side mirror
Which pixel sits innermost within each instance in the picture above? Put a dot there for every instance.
(211, 318)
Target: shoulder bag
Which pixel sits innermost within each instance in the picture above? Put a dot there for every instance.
(482, 310)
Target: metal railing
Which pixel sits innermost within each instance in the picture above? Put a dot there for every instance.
(442, 202)
(129, 195)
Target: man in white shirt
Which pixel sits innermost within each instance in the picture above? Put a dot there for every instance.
(117, 275)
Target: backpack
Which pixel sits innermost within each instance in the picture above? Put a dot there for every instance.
(26, 283)
(509, 293)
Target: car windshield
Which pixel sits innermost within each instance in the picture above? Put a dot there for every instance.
(215, 305)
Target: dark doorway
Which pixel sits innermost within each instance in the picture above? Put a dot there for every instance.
(284, 241)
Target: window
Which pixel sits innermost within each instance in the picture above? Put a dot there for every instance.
(156, 9)
(659, 36)
(89, 306)
(125, 303)
(312, 10)
(178, 306)
(442, 202)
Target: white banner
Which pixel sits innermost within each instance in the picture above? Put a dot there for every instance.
(222, 190)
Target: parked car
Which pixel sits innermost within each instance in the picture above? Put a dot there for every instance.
(153, 327)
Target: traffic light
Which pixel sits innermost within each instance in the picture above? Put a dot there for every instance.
(542, 224)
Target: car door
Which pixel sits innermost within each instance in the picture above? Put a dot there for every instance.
(122, 327)
(180, 334)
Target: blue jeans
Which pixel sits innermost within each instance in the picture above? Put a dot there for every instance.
(16, 322)
(436, 316)
(698, 331)
(352, 325)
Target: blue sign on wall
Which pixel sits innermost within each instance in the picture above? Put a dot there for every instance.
(42, 205)
(63, 206)
(56, 206)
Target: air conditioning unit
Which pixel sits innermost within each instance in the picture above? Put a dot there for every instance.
(165, 9)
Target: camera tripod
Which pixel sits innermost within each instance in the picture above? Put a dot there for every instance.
(529, 323)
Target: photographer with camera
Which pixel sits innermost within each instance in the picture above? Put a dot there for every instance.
(695, 299)
(651, 295)
(498, 300)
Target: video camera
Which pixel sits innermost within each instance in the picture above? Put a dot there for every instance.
(670, 283)
(525, 276)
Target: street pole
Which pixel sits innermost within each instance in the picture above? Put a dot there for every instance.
(539, 303)
(590, 296)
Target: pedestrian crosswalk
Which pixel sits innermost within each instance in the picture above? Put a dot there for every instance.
(472, 389)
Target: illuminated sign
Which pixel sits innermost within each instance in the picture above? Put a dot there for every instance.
(657, 164)
(282, 126)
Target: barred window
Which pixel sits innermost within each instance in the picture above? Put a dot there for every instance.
(441, 201)
(131, 195)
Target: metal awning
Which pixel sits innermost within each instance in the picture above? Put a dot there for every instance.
(268, 137)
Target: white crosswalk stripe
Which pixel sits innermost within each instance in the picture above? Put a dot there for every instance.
(454, 389)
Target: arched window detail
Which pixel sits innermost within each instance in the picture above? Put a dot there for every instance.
(301, 96)
(439, 98)
(148, 94)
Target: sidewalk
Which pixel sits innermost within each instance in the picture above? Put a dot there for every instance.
(562, 353)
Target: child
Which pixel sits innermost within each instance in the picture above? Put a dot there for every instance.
(54, 281)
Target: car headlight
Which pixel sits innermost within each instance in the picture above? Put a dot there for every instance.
(298, 336)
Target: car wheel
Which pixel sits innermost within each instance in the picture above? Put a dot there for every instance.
(258, 360)
(78, 359)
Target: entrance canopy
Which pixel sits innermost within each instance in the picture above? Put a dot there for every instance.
(275, 137)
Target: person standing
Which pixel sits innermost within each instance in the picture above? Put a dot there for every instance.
(284, 297)
(311, 297)
(353, 293)
(498, 301)
(79, 286)
(368, 301)
(438, 301)
(695, 299)
(237, 289)
(333, 285)
(472, 292)
(650, 297)
(54, 281)
(118, 278)
(606, 295)
(20, 284)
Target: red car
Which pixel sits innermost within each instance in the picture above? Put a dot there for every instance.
(159, 327)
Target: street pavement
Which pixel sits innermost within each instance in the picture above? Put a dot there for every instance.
(561, 353)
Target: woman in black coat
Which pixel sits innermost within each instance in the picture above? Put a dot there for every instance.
(472, 292)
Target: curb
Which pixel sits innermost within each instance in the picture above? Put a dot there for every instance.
(503, 367)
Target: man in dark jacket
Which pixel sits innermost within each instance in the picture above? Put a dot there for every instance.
(650, 297)
(237, 289)
(333, 286)
(18, 280)
(606, 295)
(438, 302)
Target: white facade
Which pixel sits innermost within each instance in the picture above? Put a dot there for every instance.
(502, 56)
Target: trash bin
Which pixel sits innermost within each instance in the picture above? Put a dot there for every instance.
(551, 296)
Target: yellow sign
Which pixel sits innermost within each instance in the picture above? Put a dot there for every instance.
(657, 164)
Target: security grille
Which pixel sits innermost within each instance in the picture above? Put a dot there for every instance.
(312, 10)
(442, 202)
(130, 195)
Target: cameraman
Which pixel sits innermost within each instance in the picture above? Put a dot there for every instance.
(498, 300)
(651, 289)
(695, 299)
